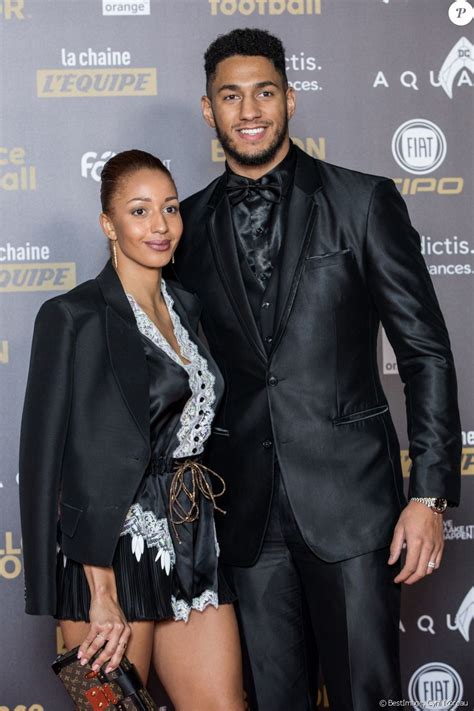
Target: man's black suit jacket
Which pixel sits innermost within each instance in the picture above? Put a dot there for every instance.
(350, 259)
(85, 436)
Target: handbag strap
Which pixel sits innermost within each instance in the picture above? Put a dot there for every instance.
(128, 680)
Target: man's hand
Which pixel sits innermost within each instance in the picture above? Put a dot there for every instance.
(420, 530)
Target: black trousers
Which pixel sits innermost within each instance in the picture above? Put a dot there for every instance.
(296, 611)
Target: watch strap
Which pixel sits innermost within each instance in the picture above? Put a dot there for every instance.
(436, 503)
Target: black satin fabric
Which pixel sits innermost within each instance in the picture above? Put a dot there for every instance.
(314, 399)
(144, 589)
(295, 610)
(196, 568)
(239, 188)
(259, 222)
(169, 392)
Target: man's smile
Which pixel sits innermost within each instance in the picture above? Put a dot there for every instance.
(252, 134)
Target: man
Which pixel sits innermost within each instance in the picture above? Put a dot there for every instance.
(295, 262)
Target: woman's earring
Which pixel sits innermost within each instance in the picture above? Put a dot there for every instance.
(172, 259)
(114, 254)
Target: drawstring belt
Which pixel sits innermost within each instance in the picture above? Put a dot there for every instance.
(199, 483)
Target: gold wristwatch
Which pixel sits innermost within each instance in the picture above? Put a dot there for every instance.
(436, 504)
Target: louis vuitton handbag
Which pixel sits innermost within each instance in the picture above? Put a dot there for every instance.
(97, 691)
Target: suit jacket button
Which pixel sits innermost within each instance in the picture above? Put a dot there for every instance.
(267, 443)
(272, 380)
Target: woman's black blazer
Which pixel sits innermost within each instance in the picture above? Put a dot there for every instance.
(85, 428)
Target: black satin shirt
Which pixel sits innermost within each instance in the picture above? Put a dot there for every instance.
(259, 225)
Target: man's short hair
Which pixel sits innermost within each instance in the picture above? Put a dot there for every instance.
(248, 43)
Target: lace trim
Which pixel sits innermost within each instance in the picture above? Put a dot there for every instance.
(198, 413)
(182, 610)
(145, 527)
(148, 328)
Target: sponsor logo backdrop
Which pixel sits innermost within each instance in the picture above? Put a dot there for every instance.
(383, 86)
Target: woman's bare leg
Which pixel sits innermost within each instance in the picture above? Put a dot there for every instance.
(139, 647)
(199, 661)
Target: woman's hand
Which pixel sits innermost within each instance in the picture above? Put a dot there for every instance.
(107, 622)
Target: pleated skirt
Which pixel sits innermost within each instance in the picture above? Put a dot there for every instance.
(162, 570)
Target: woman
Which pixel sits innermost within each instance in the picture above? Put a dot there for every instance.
(120, 400)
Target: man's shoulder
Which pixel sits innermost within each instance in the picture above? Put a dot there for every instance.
(349, 173)
(348, 179)
(352, 190)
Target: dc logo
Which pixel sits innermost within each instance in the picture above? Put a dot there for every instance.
(419, 146)
(92, 164)
(435, 685)
(461, 12)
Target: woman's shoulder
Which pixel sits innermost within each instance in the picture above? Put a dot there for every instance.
(84, 296)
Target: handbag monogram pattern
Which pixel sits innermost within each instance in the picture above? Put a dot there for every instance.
(97, 691)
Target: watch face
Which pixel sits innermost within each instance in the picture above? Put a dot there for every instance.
(440, 505)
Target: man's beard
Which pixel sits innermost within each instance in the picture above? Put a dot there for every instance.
(265, 156)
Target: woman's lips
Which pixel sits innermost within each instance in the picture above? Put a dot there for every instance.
(159, 245)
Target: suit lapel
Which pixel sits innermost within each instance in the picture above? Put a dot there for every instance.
(126, 352)
(224, 249)
(302, 213)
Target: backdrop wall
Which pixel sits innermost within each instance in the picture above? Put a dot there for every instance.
(383, 86)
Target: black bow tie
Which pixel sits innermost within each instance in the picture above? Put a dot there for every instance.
(238, 188)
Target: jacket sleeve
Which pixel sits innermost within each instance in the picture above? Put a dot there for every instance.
(42, 442)
(404, 297)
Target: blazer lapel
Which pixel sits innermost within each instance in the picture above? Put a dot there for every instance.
(126, 352)
(224, 249)
(302, 212)
(187, 305)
